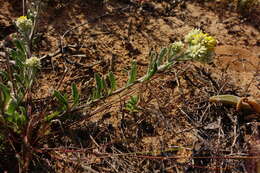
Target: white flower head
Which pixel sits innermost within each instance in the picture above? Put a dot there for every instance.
(177, 46)
(199, 53)
(200, 46)
(33, 62)
(23, 23)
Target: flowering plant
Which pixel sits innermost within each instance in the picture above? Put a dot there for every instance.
(24, 24)
(16, 83)
(199, 47)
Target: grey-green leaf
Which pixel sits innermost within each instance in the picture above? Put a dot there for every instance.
(152, 69)
(132, 74)
(161, 56)
(6, 95)
(20, 45)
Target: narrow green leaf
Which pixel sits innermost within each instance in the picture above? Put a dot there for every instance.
(167, 65)
(168, 54)
(153, 60)
(99, 86)
(13, 117)
(103, 83)
(20, 45)
(14, 54)
(23, 117)
(19, 78)
(98, 81)
(20, 94)
(6, 95)
(20, 53)
(134, 100)
(132, 74)
(161, 56)
(62, 99)
(22, 110)
(131, 105)
(152, 69)
(104, 87)
(4, 75)
(112, 81)
(75, 94)
(52, 116)
(95, 94)
(19, 58)
(11, 107)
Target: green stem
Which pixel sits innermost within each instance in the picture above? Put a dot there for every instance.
(140, 80)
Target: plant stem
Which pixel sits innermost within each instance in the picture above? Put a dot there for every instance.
(140, 80)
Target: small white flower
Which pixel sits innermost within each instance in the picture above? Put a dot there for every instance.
(200, 46)
(199, 53)
(176, 47)
(33, 62)
(32, 13)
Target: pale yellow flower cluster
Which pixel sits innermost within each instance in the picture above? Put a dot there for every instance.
(176, 47)
(196, 37)
(201, 45)
(33, 62)
(23, 23)
(190, 36)
(197, 51)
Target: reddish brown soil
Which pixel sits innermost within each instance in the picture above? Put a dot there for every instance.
(175, 117)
